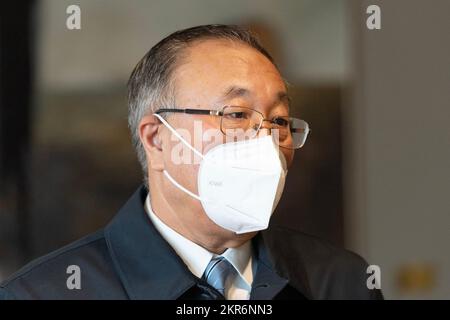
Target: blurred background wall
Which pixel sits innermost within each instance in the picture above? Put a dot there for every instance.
(398, 147)
(372, 177)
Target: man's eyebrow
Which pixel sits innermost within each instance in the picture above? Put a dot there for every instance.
(283, 96)
(238, 92)
(235, 92)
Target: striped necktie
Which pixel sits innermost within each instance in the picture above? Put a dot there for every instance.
(219, 274)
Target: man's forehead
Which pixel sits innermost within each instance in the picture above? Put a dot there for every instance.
(226, 55)
(232, 68)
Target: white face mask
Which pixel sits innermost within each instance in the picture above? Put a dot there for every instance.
(239, 183)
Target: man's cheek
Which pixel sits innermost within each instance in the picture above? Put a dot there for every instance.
(211, 137)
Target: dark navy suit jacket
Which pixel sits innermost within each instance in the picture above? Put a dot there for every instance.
(128, 259)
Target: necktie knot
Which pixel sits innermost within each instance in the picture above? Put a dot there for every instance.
(219, 273)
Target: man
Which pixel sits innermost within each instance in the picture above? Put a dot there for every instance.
(209, 116)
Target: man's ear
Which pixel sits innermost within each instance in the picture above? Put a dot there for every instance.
(151, 140)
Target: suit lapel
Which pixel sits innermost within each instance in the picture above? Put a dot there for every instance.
(147, 265)
(268, 284)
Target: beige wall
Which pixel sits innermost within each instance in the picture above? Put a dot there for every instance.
(398, 152)
(115, 34)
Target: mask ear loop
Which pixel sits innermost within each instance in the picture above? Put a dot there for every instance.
(193, 195)
(178, 135)
(168, 176)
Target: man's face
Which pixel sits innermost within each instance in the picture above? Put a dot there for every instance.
(203, 81)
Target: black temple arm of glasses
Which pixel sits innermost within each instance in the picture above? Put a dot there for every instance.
(188, 111)
(301, 130)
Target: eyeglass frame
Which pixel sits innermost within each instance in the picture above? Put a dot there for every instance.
(220, 113)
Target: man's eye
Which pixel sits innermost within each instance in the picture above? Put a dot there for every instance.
(281, 122)
(237, 115)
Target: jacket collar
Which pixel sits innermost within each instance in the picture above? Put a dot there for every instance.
(147, 265)
(150, 269)
(268, 282)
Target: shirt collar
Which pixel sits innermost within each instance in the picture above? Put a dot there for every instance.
(196, 257)
(242, 260)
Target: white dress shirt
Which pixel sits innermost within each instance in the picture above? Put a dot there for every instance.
(197, 258)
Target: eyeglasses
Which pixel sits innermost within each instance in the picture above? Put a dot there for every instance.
(241, 122)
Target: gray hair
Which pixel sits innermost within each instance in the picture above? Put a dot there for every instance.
(150, 86)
